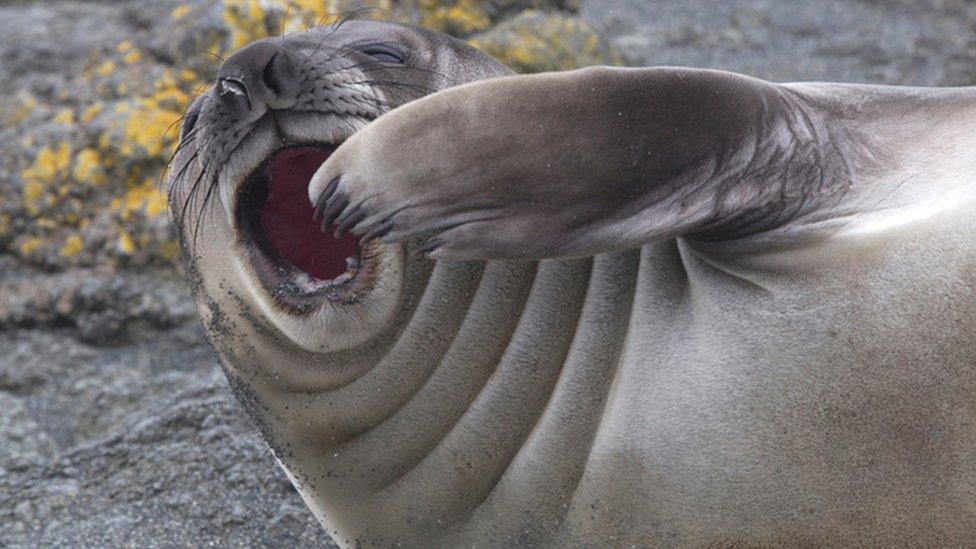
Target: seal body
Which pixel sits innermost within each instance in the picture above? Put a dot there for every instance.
(718, 311)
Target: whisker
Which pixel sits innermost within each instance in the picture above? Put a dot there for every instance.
(176, 122)
(284, 18)
(212, 54)
(179, 147)
(353, 14)
(192, 191)
(379, 65)
(186, 165)
(396, 83)
(206, 199)
(341, 19)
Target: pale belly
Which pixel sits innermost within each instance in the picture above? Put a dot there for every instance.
(827, 398)
(837, 411)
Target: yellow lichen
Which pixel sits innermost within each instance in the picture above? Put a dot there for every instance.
(147, 126)
(165, 81)
(461, 17)
(246, 21)
(72, 246)
(126, 245)
(15, 109)
(88, 167)
(143, 198)
(179, 12)
(132, 57)
(33, 190)
(28, 102)
(156, 206)
(536, 41)
(105, 69)
(65, 116)
(122, 146)
(91, 112)
(35, 197)
(171, 98)
(49, 164)
(29, 245)
(318, 7)
(46, 223)
(169, 250)
(250, 20)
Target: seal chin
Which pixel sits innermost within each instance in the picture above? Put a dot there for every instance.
(326, 293)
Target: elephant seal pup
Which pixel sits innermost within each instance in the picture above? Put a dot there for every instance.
(679, 307)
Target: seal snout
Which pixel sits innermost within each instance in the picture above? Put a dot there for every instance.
(260, 77)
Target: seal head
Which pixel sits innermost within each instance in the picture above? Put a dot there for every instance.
(251, 144)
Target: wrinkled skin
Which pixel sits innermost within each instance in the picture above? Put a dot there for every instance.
(694, 308)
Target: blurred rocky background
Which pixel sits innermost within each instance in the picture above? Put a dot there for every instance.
(116, 427)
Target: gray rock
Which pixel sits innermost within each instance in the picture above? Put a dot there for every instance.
(130, 438)
(537, 41)
(137, 446)
(102, 305)
(911, 42)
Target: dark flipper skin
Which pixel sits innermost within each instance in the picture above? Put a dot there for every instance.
(588, 161)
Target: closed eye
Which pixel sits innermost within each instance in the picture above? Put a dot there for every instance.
(385, 55)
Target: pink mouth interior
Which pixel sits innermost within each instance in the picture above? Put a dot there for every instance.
(286, 217)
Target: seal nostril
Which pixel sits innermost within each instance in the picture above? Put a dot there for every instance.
(270, 78)
(232, 86)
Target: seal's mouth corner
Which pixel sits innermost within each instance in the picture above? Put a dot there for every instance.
(293, 256)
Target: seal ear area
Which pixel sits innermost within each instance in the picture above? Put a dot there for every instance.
(581, 162)
(451, 60)
(469, 64)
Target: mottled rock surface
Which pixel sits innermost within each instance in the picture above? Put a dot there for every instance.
(116, 426)
(907, 42)
(93, 112)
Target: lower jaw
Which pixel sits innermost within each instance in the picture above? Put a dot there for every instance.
(335, 316)
(301, 268)
(299, 293)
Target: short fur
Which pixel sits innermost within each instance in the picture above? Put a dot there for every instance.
(742, 312)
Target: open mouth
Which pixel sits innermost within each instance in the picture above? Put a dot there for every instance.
(294, 258)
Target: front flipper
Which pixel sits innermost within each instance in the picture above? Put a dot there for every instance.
(581, 162)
